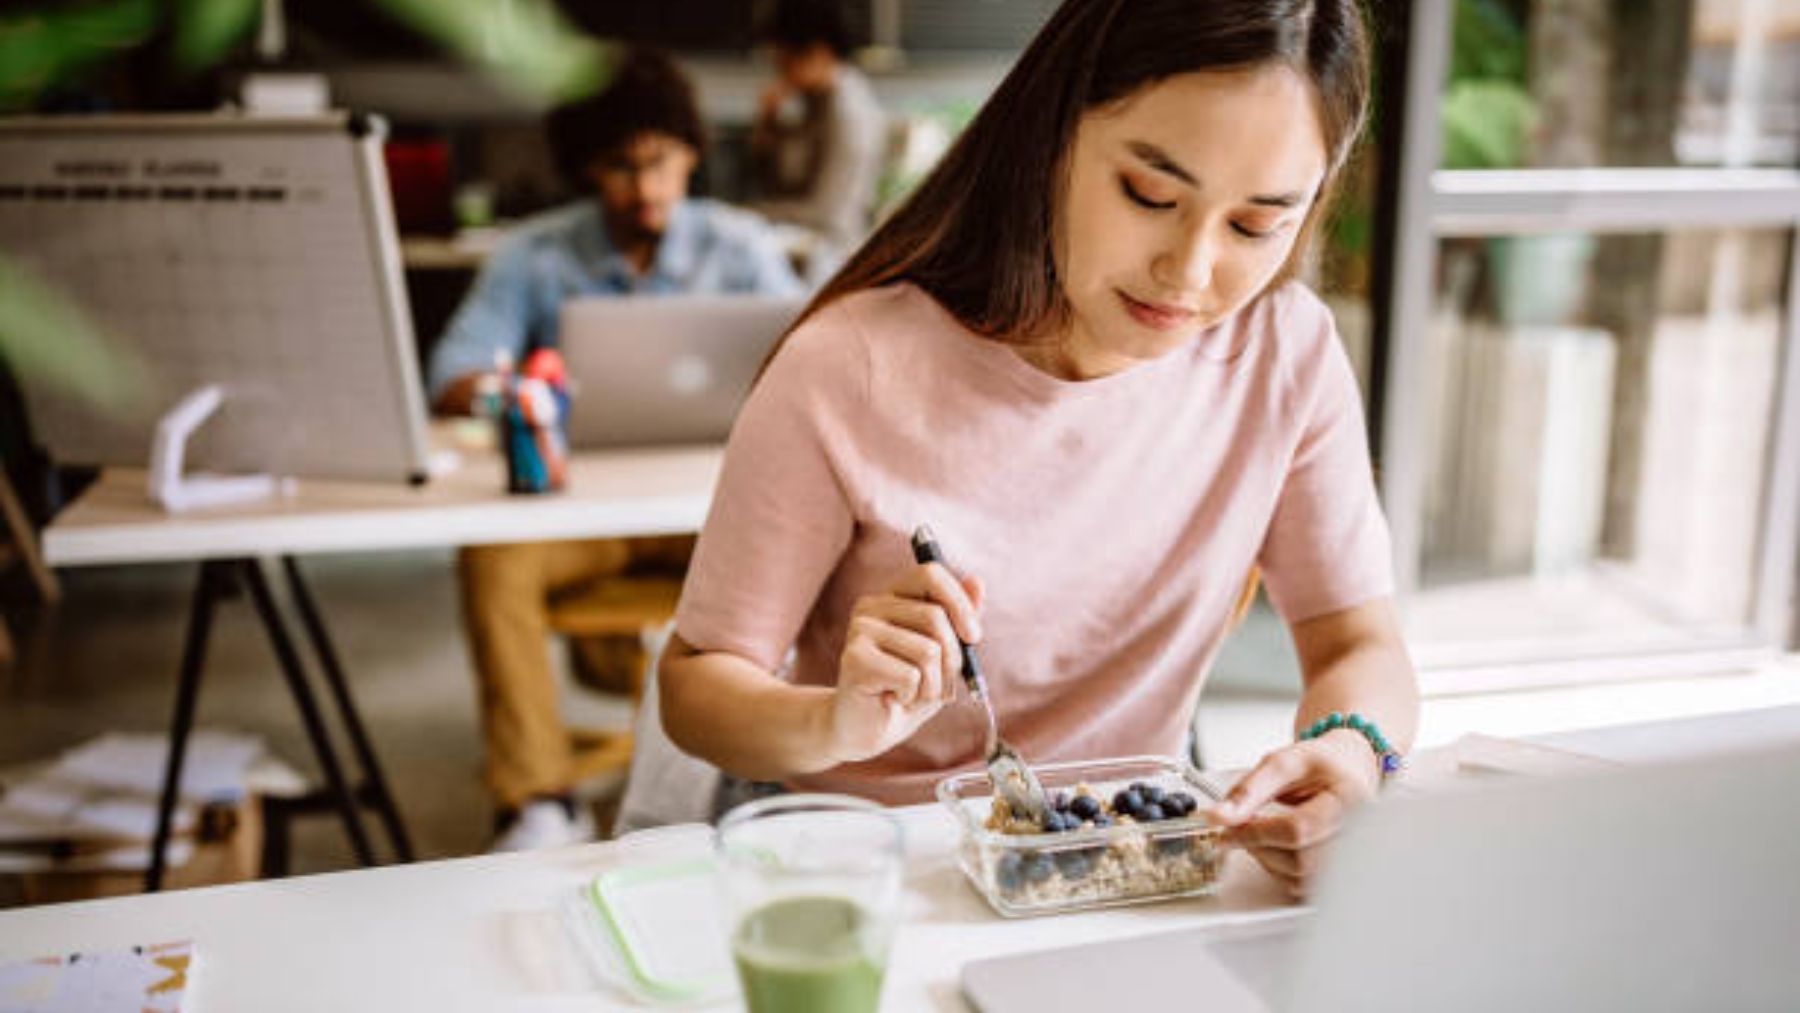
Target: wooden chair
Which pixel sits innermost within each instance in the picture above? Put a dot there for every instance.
(622, 606)
(20, 547)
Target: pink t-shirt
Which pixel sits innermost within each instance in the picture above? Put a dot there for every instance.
(1113, 521)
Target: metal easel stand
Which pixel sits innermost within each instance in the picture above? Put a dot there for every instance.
(218, 580)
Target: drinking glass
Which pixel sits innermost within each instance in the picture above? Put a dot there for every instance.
(811, 885)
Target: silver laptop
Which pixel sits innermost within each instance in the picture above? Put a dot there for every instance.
(649, 370)
(1654, 888)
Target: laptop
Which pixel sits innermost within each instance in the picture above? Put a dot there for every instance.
(1652, 888)
(658, 370)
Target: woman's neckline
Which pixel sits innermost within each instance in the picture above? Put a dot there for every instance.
(1007, 358)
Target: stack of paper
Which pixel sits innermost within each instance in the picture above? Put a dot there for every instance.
(94, 807)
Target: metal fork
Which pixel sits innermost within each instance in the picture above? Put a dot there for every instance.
(1008, 770)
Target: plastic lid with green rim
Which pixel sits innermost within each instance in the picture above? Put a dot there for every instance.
(658, 930)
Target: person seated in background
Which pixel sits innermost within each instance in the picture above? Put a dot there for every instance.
(633, 147)
(819, 134)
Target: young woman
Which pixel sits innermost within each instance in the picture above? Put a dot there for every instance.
(1078, 354)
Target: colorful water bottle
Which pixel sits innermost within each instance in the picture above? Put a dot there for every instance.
(532, 425)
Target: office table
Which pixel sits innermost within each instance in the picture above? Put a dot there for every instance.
(610, 494)
(485, 934)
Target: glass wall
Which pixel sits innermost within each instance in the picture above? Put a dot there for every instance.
(1600, 412)
(1589, 441)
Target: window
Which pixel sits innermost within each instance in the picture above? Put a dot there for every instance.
(1588, 434)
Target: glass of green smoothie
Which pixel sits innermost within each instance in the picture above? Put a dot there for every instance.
(811, 885)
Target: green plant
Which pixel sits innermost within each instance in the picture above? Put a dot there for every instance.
(48, 337)
(1487, 111)
(1485, 125)
(526, 45)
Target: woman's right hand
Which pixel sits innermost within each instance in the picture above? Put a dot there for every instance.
(902, 660)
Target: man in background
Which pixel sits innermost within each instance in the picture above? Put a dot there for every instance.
(820, 135)
(633, 147)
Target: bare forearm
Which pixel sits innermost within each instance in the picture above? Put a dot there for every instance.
(1356, 661)
(1375, 680)
(741, 718)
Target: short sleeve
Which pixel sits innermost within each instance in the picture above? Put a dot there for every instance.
(781, 517)
(1327, 546)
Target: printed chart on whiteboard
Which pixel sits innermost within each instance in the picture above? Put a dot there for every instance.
(258, 255)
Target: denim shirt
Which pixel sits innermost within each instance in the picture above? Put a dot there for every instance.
(709, 248)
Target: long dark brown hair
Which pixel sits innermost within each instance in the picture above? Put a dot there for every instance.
(978, 233)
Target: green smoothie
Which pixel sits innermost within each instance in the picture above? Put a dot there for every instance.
(807, 955)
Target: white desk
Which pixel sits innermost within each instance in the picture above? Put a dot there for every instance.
(467, 250)
(610, 494)
(483, 933)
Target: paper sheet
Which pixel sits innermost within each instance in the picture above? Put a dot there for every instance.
(94, 807)
(212, 769)
(151, 979)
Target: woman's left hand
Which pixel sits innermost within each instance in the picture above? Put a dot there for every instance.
(1291, 804)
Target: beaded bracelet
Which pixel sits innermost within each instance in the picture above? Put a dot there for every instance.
(1390, 759)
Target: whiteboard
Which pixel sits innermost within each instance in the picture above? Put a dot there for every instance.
(256, 253)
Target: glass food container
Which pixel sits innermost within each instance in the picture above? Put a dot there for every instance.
(1109, 857)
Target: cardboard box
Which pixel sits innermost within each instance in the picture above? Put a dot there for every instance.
(228, 850)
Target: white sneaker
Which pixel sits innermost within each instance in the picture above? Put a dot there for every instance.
(546, 824)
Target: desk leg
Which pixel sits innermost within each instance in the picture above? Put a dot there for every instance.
(309, 709)
(207, 592)
(340, 690)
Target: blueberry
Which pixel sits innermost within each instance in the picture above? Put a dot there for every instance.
(1103, 820)
(1056, 823)
(1150, 812)
(1186, 803)
(1074, 863)
(1009, 872)
(1154, 795)
(1038, 867)
(1060, 801)
(1085, 807)
(1128, 802)
(1138, 786)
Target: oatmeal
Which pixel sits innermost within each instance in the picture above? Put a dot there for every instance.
(1100, 864)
